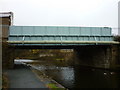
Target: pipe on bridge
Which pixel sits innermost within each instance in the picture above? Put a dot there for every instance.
(63, 42)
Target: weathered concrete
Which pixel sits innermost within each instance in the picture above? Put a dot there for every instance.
(11, 58)
(7, 56)
(97, 56)
(115, 53)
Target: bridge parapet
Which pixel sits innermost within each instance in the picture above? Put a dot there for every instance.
(59, 35)
(58, 30)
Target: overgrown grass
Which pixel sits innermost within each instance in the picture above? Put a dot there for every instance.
(52, 86)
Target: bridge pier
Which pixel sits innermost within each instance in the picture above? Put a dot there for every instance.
(97, 56)
(115, 61)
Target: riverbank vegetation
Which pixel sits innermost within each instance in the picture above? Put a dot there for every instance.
(54, 87)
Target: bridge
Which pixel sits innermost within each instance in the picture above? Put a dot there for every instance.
(59, 36)
(94, 46)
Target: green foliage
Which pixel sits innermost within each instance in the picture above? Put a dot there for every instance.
(50, 85)
(54, 87)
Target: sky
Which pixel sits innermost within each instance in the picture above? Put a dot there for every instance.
(83, 13)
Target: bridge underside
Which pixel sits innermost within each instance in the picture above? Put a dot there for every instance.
(100, 56)
(54, 46)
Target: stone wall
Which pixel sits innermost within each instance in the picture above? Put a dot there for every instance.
(7, 56)
(97, 56)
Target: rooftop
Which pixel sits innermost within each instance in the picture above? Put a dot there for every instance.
(6, 14)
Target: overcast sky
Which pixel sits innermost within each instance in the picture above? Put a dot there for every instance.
(87, 13)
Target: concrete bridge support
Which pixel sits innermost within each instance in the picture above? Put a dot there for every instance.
(115, 62)
(97, 56)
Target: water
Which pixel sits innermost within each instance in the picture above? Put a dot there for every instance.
(80, 77)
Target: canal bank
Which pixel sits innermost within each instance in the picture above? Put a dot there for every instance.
(49, 82)
(23, 76)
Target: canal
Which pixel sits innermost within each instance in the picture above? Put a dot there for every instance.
(72, 76)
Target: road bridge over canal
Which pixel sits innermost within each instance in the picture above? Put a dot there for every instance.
(93, 45)
(59, 36)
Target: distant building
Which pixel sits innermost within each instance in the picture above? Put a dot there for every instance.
(119, 18)
(6, 19)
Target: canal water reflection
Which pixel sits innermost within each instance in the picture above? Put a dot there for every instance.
(80, 77)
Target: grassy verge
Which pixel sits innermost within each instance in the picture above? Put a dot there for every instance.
(52, 86)
(50, 83)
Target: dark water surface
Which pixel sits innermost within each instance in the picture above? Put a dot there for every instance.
(80, 77)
